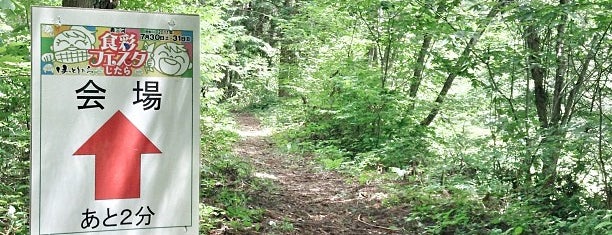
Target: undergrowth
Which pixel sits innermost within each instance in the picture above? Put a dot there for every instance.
(226, 184)
(457, 194)
(225, 179)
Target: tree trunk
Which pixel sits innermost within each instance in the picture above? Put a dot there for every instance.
(537, 73)
(287, 55)
(600, 149)
(554, 140)
(460, 65)
(417, 76)
(102, 4)
(385, 64)
(373, 55)
(78, 3)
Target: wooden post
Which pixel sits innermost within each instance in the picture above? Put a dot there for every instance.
(103, 4)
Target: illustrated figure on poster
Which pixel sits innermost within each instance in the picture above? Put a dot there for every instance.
(169, 58)
(70, 46)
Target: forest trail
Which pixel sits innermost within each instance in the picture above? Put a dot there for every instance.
(306, 199)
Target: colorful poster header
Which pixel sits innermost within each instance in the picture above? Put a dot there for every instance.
(117, 52)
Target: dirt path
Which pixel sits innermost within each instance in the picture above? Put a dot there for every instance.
(306, 199)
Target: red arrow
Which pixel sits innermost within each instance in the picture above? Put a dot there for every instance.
(117, 145)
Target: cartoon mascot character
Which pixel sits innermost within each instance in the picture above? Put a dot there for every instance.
(70, 46)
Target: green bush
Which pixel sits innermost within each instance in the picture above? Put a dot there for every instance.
(595, 222)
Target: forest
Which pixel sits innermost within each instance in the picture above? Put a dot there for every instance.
(473, 116)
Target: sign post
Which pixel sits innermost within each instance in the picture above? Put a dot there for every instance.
(115, 122)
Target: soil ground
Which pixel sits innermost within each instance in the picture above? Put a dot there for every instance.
(307, 199)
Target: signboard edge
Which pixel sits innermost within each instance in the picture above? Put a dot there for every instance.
(38, 18)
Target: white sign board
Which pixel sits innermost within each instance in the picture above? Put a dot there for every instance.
(115, 122)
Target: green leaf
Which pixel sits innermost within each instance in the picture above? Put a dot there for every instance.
(518, 230)
(7, 4)
(603, 225)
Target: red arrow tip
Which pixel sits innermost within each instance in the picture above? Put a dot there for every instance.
(117, 133)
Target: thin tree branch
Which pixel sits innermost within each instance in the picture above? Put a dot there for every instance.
(461, 62)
